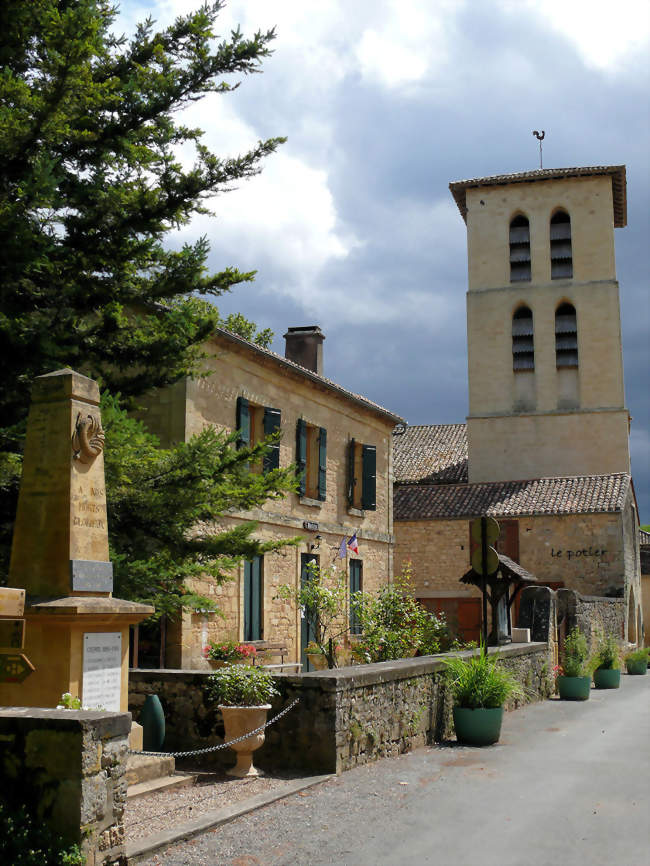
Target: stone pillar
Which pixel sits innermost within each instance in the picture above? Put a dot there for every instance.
(76, 633)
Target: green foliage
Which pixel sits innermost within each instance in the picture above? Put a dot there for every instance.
(608, 653)
(394, 625)
(638, 655)
(322, 599)
(480, 681)
(575, 661)
(90, 184)
(27, 841)
(229, 651)
(241, 686)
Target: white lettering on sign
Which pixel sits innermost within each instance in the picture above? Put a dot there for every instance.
(102, 671)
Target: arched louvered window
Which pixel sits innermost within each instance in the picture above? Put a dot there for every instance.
(566, 336)
(561, 254)
(519, 250)
(523, 347)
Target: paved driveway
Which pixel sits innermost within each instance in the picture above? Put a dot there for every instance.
(568, 784)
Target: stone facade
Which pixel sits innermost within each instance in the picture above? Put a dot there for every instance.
(345, 717)
(69, 768)
(593, 615)
(238, 369)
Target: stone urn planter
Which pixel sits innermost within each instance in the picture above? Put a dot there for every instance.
(238, 721)
(574, 688)
(318, 661)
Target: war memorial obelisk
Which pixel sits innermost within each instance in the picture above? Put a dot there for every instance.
(76, 633)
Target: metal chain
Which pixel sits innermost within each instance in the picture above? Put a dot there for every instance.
(194, 752)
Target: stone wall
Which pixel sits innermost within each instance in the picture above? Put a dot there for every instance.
(345, 717)
(68, 767)
(593, 615)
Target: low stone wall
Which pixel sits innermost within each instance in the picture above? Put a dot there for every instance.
(594, 615)
(68, 767)
(345, 717)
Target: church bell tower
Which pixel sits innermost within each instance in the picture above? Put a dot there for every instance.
(543, 324)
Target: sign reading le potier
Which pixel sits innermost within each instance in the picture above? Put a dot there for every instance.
(102, 670)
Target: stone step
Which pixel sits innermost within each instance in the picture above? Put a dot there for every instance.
(143, 768)
(166, 783)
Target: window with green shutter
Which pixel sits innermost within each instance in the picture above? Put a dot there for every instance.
(311, 460)
(356, 585)
(362, 476)
(253, 599)
(254, 424)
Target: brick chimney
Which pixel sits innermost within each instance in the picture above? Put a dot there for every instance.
(304, 346)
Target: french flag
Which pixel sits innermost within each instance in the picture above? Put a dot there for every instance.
(352, 544)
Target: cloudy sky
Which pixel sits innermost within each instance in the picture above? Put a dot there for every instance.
(351, 224)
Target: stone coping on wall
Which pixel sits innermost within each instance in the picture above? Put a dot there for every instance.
(104, 722)
(354, 676)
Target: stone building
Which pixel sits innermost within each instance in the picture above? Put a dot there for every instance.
(545, 447)
(343, 443)
(644, 542)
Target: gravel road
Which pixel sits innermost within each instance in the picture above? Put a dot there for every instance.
(568, 783)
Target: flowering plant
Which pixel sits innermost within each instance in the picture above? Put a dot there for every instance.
(229, 651)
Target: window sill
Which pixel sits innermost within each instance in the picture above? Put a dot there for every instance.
(311, 503)
(356, 512)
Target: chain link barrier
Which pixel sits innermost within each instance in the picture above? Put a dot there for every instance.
(216, 748)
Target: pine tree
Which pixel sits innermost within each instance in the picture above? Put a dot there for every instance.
(90, 185)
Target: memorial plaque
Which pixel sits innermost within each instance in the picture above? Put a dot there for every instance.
(87, 575)
(102, 670)
(12, 634)
(12, 601)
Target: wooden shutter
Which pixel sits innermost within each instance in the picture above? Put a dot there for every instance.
(243, 422)
(253, 599)
(272, 418)
(301, 455)
(351, 472)
(322, 464)
(369, 489)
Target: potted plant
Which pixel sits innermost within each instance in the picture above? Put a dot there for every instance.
(574, 675)
(607, 673)
(636, 662)
(229, 653)
(243, 693)
(480, 686)
(317, 658)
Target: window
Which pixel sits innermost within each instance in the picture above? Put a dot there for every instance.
(519, 250)
(311, 457)
(362, 476)
(566, 336)
(523, 347)
(356, 585)
(253, 599)
(255, 423)
(561, 254)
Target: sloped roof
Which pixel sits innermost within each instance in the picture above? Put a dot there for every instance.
(644, 537)
(510, 570)
(431, 454)
(617, 172)
(584, 494)
(273, 357)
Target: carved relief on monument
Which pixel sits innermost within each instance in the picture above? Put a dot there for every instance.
(87, 439)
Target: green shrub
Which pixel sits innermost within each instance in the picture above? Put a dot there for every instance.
(241, 686)
(638, 655)
(26, 841)
(575, 662)
(608, 653)
(481, 682)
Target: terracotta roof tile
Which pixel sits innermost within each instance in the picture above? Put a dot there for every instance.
(617, 173)
(431, 454)
(644, 537)
(572, 495)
